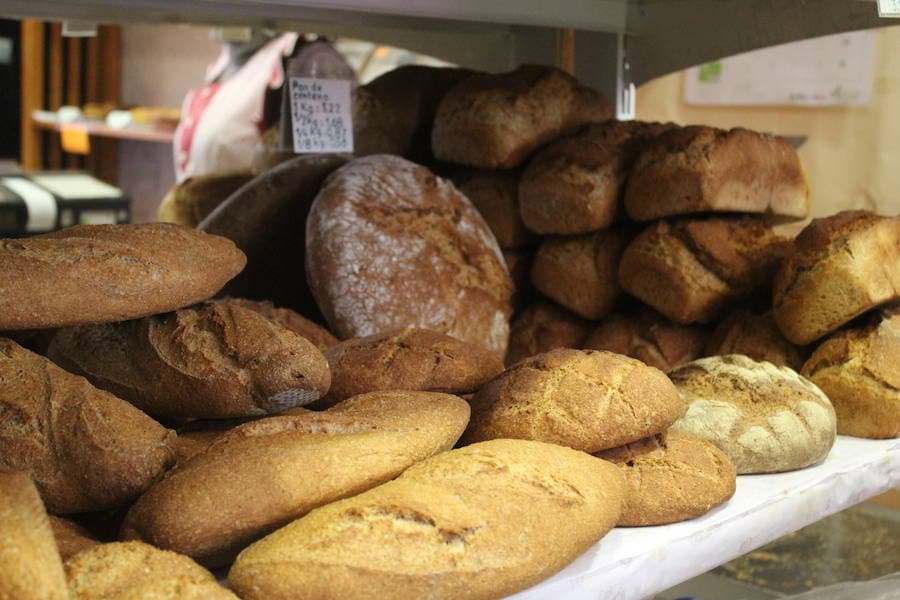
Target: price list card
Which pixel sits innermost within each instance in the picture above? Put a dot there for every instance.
(321, 114)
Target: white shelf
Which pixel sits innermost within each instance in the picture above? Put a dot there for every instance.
(637, 562)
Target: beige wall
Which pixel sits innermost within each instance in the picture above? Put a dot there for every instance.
(852, 155)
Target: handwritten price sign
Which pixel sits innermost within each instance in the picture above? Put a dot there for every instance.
(321, 114)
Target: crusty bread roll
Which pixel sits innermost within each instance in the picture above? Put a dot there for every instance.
(581, 272)
(840, 267)
(134, 570)
(86, 449)
(315, 333)
(495, 121)
(215, 360)
(408, 359)
(585, 399)
(544, 326)
(692, 269)
(765, 418)
(99, 273)
(30, 567)
(262, 475)
(859, 371)
(390, 245)
(495, 195)
(701, 169)
(671, 477)
(71, 538)
(575, 184)
(753, 335)
(188, 202)
(649, 337)
(475, 523)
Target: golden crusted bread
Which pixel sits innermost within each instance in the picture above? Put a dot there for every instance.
(315, 333)
(99, 273)
(701, 169)
(191, 200)
(586, 399)
(30, 567)
(692, 270)
(859, 371)
(581, 272)
(71, 538)
(649, 337)
(671, 477)
(544, 326)
(138, 571)
(196, 436)
(575, 184)
(495, 195)
(86, 449)
(262, 475)
(409, 359)
(215, 360)
(480, 522)
(767, 419)
(756, 336)
(840, 267)
(495, 121)
(390, 245)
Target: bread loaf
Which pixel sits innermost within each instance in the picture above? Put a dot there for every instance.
(649, 337)
(409, 359)
(765, 418)
(585, 399)
(264, 474)
(99, 273)
(756, 336)
(840, 267)
(389, 245)
(495, 195)
(581, 272)
(30, 567)
(859, 371)
(71, 538)
(497, 121)
(313, 332)
(133, 570)
(575, 184)
(691, 270)
(541, 327)
(196, 436)
(475, 523)
(670, 478)
(216, 360)
(191, 200)
(702, 169)
(86, 449)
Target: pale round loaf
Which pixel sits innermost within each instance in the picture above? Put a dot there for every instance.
(767, 419)
(585, 399)
(390, 245)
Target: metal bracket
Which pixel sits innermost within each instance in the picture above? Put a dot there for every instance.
(625, 90)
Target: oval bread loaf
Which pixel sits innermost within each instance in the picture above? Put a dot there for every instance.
(475, 523)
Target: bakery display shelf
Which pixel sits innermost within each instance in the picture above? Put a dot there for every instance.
(101, 129)
(635, 563)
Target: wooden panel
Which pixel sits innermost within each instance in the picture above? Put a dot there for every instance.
(110, 90)
(565, 55)
(73, 86)
(55, 90)
(92, 69)
(32, 91)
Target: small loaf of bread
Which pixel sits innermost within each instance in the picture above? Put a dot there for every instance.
(190, 201)
(585, 399)
(86, 449)
(581, 272)
(691, 270)
(544, 326)
(671, 477)
(495, 195)
(495, 121)
(649, 337)
(134, 570)
(859, 371)
(71, 538)
(767, 419)
(216, 360)
(701, 169)
(574, 185)
(99, 273)
(262, 475)
(409, 359)
(756, 336)
(313, 332)
(840, 267)
(476, 523)
(30, 567)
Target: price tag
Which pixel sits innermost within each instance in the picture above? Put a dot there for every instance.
(75, 139)
(321, 115)
(889, 8)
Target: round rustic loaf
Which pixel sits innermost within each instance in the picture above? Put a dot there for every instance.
(390, 245)
(756, 336)
(859, 371)
(585, 399)
(495, 195)
(671, 477)
(767, 419)
(541, 327)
